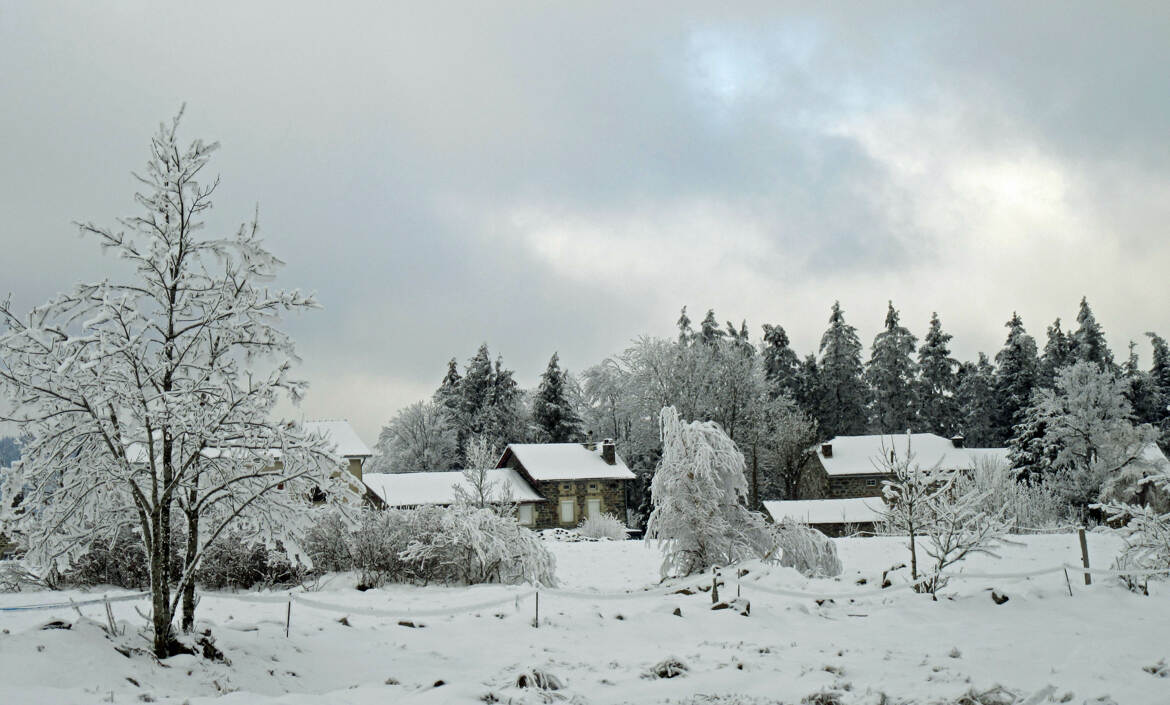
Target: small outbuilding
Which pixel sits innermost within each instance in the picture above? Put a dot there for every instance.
(833, 517)
(405, 490)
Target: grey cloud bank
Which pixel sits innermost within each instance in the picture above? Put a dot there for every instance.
(564, 179)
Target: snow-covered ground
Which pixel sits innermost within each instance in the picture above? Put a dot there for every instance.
(601, 631)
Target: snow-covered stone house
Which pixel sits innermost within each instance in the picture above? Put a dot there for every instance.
(406, 490)
(840, 488)
(854, 466)
(577, 480)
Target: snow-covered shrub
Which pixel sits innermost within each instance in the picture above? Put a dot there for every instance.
(327, 544)
(470, 545)
(605, 526)
(121, 562)
(460, 544)
(375, 545)
(805, 549)
(698, 493)
(231, 562)
(1028, 505)
(1146, 532)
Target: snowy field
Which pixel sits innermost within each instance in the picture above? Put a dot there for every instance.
(602, 630)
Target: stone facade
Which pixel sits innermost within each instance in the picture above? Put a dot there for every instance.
(610, 493)
(815, 483)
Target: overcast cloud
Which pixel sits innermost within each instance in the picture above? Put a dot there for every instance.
(552, 179)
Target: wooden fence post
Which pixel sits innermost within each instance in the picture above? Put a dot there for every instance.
(1085, 555)
(536, 621)
(288, 618)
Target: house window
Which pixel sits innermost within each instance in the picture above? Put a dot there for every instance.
(871, 483)
(592, 485)
(568, 511)
(525, 515)
(593, 508)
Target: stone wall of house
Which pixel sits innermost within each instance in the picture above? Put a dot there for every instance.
(612, 494)
(815, 483)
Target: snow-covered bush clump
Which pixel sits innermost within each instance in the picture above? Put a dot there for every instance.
(605, 526)
(471, 545)
(327, 544)
(1146, 532)
(460, 544)
(234, 562)
(698, 493)
(805, 549)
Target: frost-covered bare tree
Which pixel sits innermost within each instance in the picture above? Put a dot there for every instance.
(908, 496)
(1088, 435)
(418, 439)
(698, 494)
(480, 490)
(147, 400)
(960, 524)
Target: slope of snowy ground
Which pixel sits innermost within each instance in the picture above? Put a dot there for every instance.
(601, 631)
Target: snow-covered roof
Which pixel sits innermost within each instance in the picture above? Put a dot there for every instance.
(407, 489)
(857, 510)
(568, 461)
(349, 445)
(862, 455)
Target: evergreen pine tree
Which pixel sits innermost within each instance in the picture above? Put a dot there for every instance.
(1057, 354)
(552, 411)
(891, 376)
(709, 330)
(1089, 339)
(447, 395)
(1160, 378)
(781, 365)
(977, 402)
(685, 333)
(1016, 378)
(1141, 391)
(842, 402)
(937, 384)
(807, 390)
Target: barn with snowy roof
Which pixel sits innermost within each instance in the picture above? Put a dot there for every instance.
(855, 466)
(576, 480)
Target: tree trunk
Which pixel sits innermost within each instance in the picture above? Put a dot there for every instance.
(913, 556)
(160, 594)
(188, 622)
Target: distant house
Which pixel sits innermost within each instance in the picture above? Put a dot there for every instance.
(833, 517)
(854, 466)
(345, 440)
(577, 480)
(405, 490)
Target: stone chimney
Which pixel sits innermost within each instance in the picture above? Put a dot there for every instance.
(608, 452)
(957, 440)
(827, 450)
(589, 444)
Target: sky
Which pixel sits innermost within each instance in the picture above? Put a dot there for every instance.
(556, 177)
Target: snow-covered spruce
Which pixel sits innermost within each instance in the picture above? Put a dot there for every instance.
(698, 493)
(149, 397)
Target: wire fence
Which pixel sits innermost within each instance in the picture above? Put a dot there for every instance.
(516, 598)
